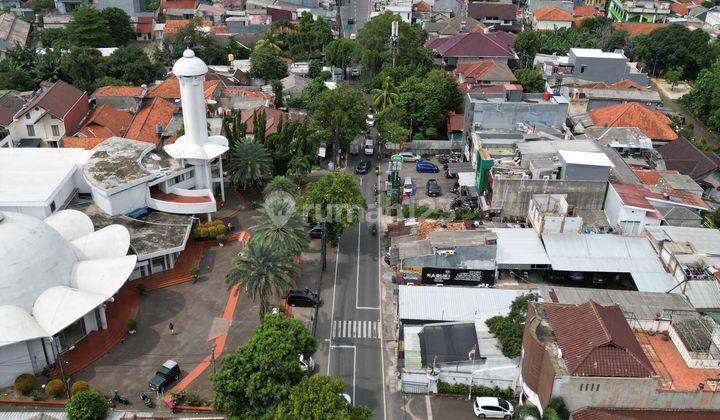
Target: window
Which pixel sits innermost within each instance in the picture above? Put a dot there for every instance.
(27, 116)
(30, 130)
(52, 207)
(630, 226)
(583, 68)
(55, 130)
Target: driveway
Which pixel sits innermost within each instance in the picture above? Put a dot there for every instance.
(420, 181)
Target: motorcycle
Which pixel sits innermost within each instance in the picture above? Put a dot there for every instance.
(120, 398)
(374, 230)
(145, 399)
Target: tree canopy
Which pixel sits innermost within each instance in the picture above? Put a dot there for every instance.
(531, 79)
(132, 65)
(335, 198)
(88, 28)
(509, 329)
(341, 52)
(309, 38)
(265, 65)
(248, 164)
(81, 67)
(426, 101)
(119, 25)
(260, 374)
(339, 114)
(87, 405)
(675, 46)
(704, 97)
(319, 398)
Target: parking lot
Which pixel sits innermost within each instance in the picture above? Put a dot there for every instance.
(420, 181)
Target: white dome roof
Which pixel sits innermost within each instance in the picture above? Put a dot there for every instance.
(189, 65)
(56, 271)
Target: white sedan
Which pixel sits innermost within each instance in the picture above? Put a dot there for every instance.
(370, 120)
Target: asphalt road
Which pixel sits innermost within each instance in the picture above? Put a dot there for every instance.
(349, 329)
(355, 9)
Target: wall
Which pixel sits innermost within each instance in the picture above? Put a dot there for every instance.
(549, 25)
(14, 360)
(617, 212)
(628, 393)
(40, 211)
(47, 122)
(573, 172)
(599, 69)
(513, 195)
(122, 202)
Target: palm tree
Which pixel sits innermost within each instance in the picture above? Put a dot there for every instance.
(234, 128)
(280, 226)
(261, 272)
(299, 166)
(249, 164)
(386, 95)
(272, 45)
(281, 184)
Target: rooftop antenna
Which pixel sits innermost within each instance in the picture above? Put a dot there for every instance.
(394, 39)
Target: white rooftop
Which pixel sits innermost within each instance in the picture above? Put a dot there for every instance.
(595, 53)
(33, 175)
(432, 303)
(518, 246)
(585, 158)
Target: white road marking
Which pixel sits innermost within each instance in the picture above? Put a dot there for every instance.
(380, 331)
(332, 310)
(354, 348)
(355, 329)
(428, 407)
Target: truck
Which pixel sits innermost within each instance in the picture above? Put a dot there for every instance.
(369, 148)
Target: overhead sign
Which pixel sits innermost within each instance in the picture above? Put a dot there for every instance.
(396, 158)
(321, 152)
(432, 275)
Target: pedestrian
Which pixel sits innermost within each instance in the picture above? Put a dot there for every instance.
(172, 329)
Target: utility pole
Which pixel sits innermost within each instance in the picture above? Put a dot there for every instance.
(212, 355)
(338, 4)
(394, 39)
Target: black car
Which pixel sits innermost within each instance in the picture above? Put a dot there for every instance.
(168, 373)
(315, 232)
(432, 188)
(363, 167)
(303, 298)
(351, 21)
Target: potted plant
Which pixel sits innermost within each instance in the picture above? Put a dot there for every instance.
(132, 326)
(141, 288)
(194, 272)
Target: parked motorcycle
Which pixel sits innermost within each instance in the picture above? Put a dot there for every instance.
(145, 399)
(120, 398)
(374, 230)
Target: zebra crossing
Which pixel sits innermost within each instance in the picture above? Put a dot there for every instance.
(356, 329)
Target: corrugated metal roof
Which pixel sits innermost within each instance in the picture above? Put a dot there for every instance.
(413, 355)
(601, 253)
(654, 282)
(518, 246)
(645, 305)
(703, 294)
(430, 303)
(704, 241)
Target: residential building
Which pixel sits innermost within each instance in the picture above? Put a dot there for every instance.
(549, 213)
(169, 89)
(497, 15)
(56, 21)
(652, 123)
(11, 101)
(165, 5)
(403, 10)
(13, 31)
(125, 98)
(453, 26)
(293, 84)
(704, 167)
(483, 72)
(551, 18)
(669, 179)
(66, 7)
(152, 123)
(273, 117)
(642, 414)
(637, 28)
(653, 11)
(133, 8)
(584, 166)
(51, 297)
(55, 111)
(626, 140)
(104, 121)
(241, 98)
(591, 65)
(473, 46)
(583, 99)
(144, 27)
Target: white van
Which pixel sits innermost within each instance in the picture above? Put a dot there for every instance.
(408, 187)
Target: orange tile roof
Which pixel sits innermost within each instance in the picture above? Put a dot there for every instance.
(422, 7)
(172, 26)
(272, 118)
(456, 122)
(143, 125)
(552, 14)
(177, 4)
(119, 91)
(86, 143)
(647, 176)
(170, 89)
(585, 11)
(653, 123)
(639, 195)
(637, 28)
(250, 93)
(105, 121)
(222, 29)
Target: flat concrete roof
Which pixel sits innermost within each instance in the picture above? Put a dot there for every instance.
(595, 53)
(585, 158)
(33, 176)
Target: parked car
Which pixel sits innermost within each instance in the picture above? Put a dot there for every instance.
(307, 364)
(363, 167)
(409, 157)
(303, 298)
(424, 166)
(432, 188)
(355, 72)
(353, 36)
(351, 21)
(493, 407)
(370, 120)
(168, 373)
(408, 186)
(315, 232)
(577, 277)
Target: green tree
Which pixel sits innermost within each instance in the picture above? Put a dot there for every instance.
(341, 52)
(673, 76)
(82, 67)
(248, 164)
(111, 81)
(119, 25)
(314, 69)
(234, 128)
(319, 398)
(88, 28)
(531, 79)
(509, 329)
(87, 405)
(675, 46)
(259, 125)
(132, 65)
(390, 126)
(277, 88)
(704, 97)
(427, 101)
(42, 6)
(281, 184)
(279, 226)
(374, 50)
(52, 37)
(260, 374)
(341, 114)
(385, 96)
(265, 65)
(263, 270)
(309, 38)
(238, 51)
(336, 199)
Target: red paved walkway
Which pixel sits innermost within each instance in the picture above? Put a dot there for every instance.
(190, 257)
(174, 198)
(96, 344)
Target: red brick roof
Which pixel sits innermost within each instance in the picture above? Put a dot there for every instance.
(272, 118)
(474, 44)
(57, 100)
(597, 341)
(456, 122)
(87, 143)
(487, 69)
(553, 14)
(653, 123)
(143, 125)
(177, 4)
(133, 91)
(172, 26)
(589, 413)
(247, 92)
(170, 89)
(637, 28)
(638, 195)
(647, 176)
(144, 25)
(586, 11)
(422, 7)
(106, 121)
(481, 10)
